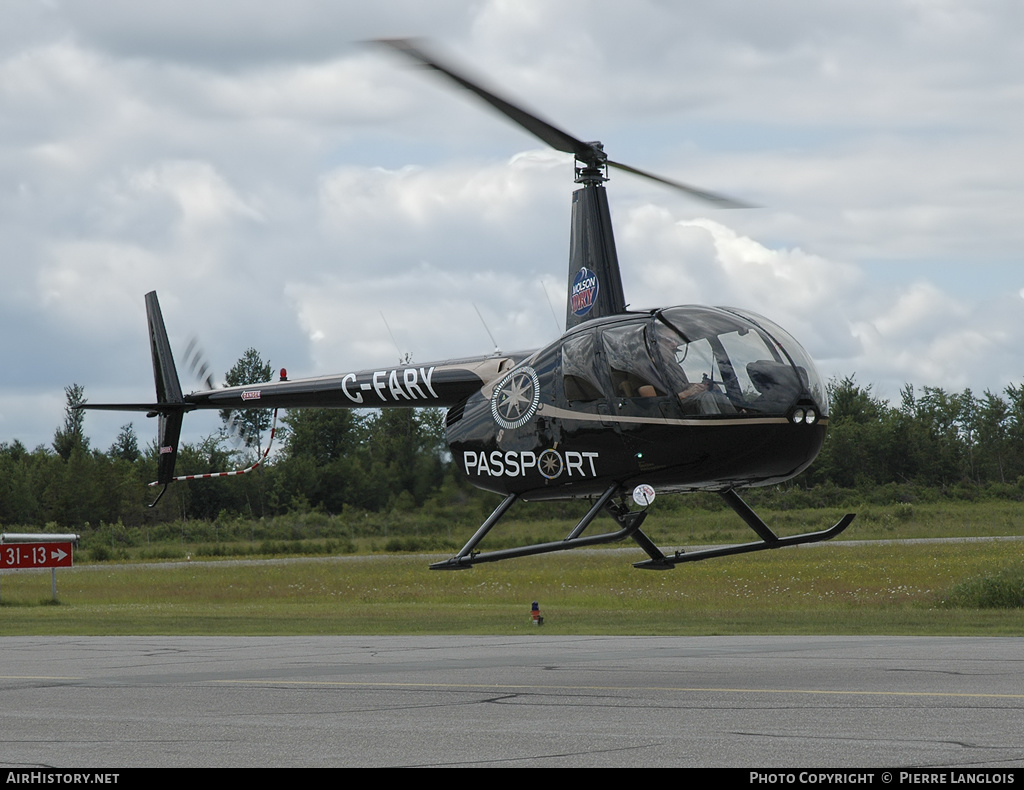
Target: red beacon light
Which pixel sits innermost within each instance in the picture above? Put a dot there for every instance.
(284, 375)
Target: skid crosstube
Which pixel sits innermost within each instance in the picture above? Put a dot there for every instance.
(629, 523)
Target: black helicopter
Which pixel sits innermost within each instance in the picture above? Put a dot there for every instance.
(624, 405)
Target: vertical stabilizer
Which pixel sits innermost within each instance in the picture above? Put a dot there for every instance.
(168, 388)
(595, 286)
(168, 391)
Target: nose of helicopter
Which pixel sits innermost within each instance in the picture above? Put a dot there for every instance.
(748, 363)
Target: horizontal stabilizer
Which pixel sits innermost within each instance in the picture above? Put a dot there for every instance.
(154, 408)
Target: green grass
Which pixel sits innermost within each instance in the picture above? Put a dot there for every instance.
(879, 588)
(680, 521)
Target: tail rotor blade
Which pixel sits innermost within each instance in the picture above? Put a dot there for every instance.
(198, 365)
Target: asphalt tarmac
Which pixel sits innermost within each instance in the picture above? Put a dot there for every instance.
(524, 701)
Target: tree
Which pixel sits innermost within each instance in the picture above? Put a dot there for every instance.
(17, 498)
(126, 445)
(856, 450)
(323, 435)
(848, 400)
(993, 439)
(940, 419)
(249, 423)
(405, 448)
(71, 436)
(323, 459)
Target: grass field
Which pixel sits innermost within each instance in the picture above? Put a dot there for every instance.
(682, 521)
(871, 588)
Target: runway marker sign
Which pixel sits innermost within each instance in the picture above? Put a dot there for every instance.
(35, 555)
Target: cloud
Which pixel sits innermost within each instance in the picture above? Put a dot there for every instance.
(281, 186)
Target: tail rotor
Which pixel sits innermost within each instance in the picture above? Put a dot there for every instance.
(198, 366)
(201, 370)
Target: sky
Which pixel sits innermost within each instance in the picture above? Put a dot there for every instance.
(285, 186)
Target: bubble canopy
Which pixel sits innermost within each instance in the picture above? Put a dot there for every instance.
(751, 364)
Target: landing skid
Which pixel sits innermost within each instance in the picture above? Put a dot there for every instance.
(769, 540)
(629, 523)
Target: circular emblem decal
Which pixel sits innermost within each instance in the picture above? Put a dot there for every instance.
(516, 398)
(549, 464)
(584, 291)
(643, 495)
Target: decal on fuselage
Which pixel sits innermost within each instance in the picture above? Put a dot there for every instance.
(250, 394)
(551, 464)
(391, 386)
(584, 291)
(515, 398)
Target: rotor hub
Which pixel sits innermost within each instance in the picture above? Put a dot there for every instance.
(592, 164)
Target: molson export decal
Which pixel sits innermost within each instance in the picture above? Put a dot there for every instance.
(584, 291)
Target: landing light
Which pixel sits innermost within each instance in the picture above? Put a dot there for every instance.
(808, 416)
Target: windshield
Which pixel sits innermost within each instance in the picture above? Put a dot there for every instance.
(801, 359)
(725, 362)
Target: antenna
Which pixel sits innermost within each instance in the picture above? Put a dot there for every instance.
(403, 358)
(497, 351)
(551, 307)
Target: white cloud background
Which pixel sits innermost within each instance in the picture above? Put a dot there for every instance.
(282, 186)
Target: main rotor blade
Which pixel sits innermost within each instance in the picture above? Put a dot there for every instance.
(702, 194)
(549, 133)
(590, 154)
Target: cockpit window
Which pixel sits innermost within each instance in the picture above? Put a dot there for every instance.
(633, 375)
(578, 368)
(713, 361)
(745, 348)
(697, 359)
(722, 362)
(696, 372)
(810, 380)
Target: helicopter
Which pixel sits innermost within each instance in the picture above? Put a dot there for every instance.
(625, 405)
